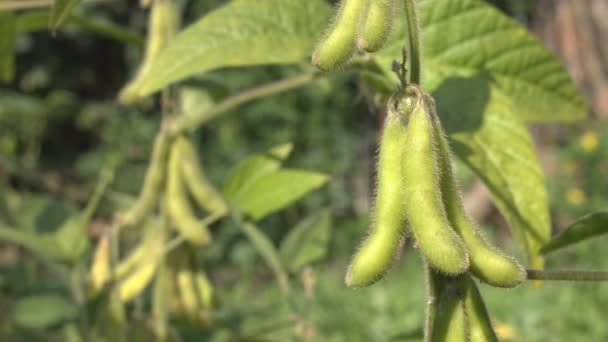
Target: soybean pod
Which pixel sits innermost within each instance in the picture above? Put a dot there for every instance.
(440, 245)
(338, 44)
(163, 24)
(203, 192)
(153, 183)
(179, 208)
(377, 25)
(376, 254)
(487, 262)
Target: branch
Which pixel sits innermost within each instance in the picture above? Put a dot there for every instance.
(567, 275)
(413, 29)
(191, 122)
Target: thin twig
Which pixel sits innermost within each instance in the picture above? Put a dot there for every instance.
(413, 29)
(567, 275)
(191, 122)
(28, 4)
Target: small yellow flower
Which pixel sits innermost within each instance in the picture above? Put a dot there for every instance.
(575, 196)
(589, 141)
(504, 331)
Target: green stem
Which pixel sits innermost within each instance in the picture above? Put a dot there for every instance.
(567, 275)
(108, 29)
(79, 296)
(413, 29)
(191, 122)
(434, 286)
(27, 4)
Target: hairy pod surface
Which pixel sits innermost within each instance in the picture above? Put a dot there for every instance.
(480, 325)
(201, 189)
(188, 287)
(178, 205)
(338, 44)
(487, 262)
(376, 255)
(153, 183)
(100, 268)
(440, 245)
(377, 25)
(163, 24)
(134, 283)
(451, 321)
(204, 289)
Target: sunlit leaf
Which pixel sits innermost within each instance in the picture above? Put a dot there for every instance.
(586, 227)
(276, 190)
(249, 170)
(241, 33)
(498, 148)
(471, 37)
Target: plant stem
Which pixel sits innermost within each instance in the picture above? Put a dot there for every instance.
(433, 290)
(567, 275)
(26, 4)
(413, 29)
(108, 29)
(192, 122)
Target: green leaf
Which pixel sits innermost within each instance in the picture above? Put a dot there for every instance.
(71, 237)
(7, 46)
(267, 250)
(467, 37)
(43, 311)
(41, 244)
(241, 33)
(61, 11)
(276, 190)
(496, 146)
(307, 242)
(249, 170)
(586, 227)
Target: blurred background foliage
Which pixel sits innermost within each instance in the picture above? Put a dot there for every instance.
(60, 126)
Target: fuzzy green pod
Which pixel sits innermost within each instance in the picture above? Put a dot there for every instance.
(178, 205)
(451, 323)
(377, 25)
(201, 189)
(375, 256)
(163, 24)
(481, 329)
(441, 246)
(487, 262)
(338, 44)
(153, 183)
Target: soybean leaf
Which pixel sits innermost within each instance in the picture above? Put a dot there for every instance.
(498, 148)
(307, 242)
(586, 227)
(241, 33)
(43, 311)
(249, 170)
(7, 46)
(274, 191)
(61, 11)
(267, 250)
(41, 244)
(504, 50)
